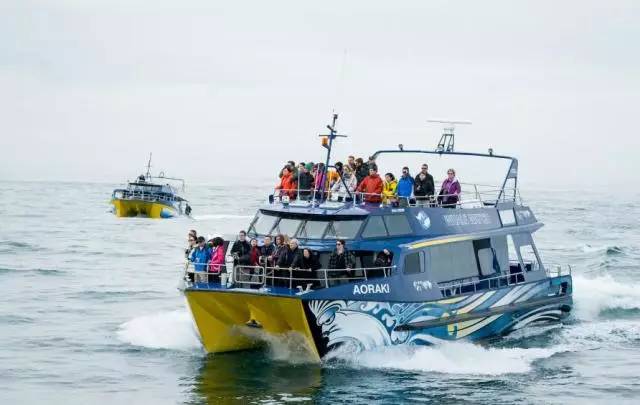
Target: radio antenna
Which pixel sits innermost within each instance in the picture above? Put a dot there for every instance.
(447, 140)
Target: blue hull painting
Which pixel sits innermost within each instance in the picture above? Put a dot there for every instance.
(364, 325)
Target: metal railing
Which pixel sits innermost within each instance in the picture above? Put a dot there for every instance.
(144, 196)
(451, 288)
(472, 196)
(292, 278)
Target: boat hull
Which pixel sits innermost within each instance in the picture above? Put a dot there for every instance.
(140, 208)
(222, 316)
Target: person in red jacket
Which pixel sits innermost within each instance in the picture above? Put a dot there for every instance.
(371, 186)
(287, 184)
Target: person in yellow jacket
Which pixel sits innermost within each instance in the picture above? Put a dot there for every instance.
(389, 188)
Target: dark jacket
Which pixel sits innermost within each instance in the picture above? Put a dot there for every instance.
(306, 183)
(422, 188)
(383, 260)
(362, 172)
(342, 261)
(290, 257)
(267, 250)
(301, 262)
(240, 248)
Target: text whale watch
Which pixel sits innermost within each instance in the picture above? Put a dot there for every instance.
(376, 268)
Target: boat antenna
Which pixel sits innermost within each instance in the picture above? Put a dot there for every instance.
(149, 166)
(447, 140)
(327, 142)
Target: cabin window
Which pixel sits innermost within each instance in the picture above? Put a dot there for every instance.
(263, 224)
(485, 257)
(453, 261)
(397, 225)
(343, 229)
(529, 258)
(413, 263)
(501, 250)
(288, 226)
(312, 229)
(507, 217)
(374, 228)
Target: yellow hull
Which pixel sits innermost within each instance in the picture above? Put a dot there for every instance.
(134, 208)
(221, 318)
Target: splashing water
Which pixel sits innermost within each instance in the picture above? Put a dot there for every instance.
(595, 295)
(164, 330)
(450, 357)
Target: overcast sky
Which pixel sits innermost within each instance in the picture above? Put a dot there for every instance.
(220, 90)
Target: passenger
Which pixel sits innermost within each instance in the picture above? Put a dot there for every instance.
(305, 182)
(450, 190)
(341, 259)
(351, 162)
(254, 253)
(389, 188)
(319, 181)
(371, 161)
(405, 187)
(287, 184)
(291, 255)
(362, 170)
(292, 167)
(348, 182)
(371, 186)
(240, 249)
(280, 248)
(383, 264)
(308, 264)
(333, 175)
(216, 265)
(191, 240)
(266, 251)
(423, 185)
(200, 258)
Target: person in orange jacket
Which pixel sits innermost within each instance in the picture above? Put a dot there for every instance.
(287, 184)
(372, 186)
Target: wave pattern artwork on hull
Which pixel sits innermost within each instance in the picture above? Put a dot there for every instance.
(366, 325)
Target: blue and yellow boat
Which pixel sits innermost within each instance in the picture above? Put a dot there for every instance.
(471, 271)
(151, 197)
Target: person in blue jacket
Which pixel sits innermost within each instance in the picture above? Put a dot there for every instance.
(405, 187)
(200, 256)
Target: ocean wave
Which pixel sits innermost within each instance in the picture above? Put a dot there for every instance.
(462, 358)
(38, 271)
(598, 295)
(173, 330)
(609, 250)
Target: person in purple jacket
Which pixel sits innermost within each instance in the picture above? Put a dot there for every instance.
(450, 190)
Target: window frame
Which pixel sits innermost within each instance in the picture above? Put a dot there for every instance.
(389, 234)
(366, 224)
(421, 261)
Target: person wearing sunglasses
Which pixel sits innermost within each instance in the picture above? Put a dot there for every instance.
(342, 260)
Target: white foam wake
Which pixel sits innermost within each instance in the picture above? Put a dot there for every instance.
(450, 358)
(220, 216)
(163, 330)
(594, 295)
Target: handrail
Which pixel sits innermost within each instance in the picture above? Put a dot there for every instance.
(476, 197)
(287, 276)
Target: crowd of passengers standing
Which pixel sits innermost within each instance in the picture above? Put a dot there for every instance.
(360, 180)
(306, 181)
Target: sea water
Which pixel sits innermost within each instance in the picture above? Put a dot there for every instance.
(90, 313)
